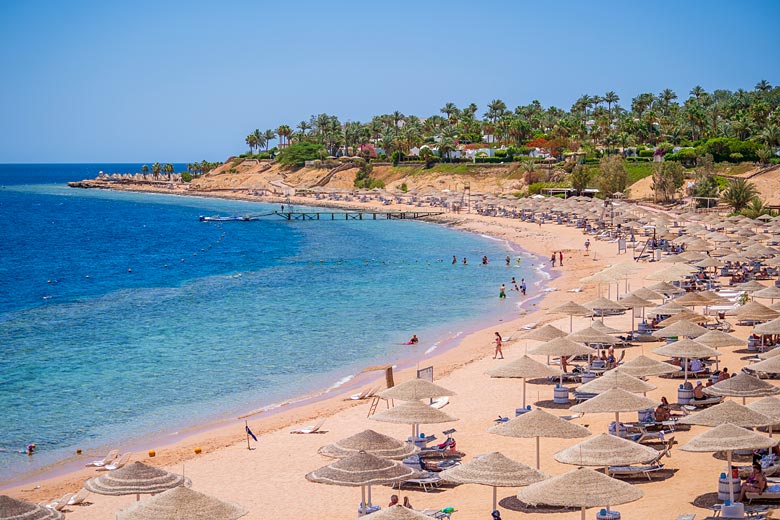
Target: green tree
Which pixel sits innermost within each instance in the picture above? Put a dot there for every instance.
(755, 208)
(580, 178)
(426, 154)
(668, 177)
(739, 193)
(613, 176)
(297, 154)
(156, 167)
(251, 140)
(268, 136)
(144, 169)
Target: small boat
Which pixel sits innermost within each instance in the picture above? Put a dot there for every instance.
(219, 218)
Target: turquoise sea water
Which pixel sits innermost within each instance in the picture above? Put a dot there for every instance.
(122, 315)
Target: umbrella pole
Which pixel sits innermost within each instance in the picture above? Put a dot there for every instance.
(685, 360)
(571, 320)
(523, 393)
(617, 424)
(495, 498)
(728, 477)
(537, 453)
(369, 504)
(363, 499)
(583, 513)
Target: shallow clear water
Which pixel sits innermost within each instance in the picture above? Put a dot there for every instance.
(122, 315)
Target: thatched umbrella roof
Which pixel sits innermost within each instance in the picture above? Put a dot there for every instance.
(13, 509)
(770, 327)
(546, 333)
(770, 365)
(135, 479)
(755, 311)
(580, 488)
(717, 339)
(742, 385)
(412, 412)
(414, 390)
(614, 400)
(538, 423)
(727, 412)
(571, 309)
(493, 469)
(561, 347)
(708, 262)
(692, 299)
(769, 406)
(523, 367)
(181, 503)
(664, 287)
(669, 307)
(674, 272)
(606, 329)
(606, 450)
(768, 292)
(769, 354)
(604, 304)
(647, 294)
(616, 379)
(590, 335)
(371, 442)
(361, 469)
(686, 348)
(693, 317)
(751, 286)
(632, 300)
(642, 366)
(681, 328)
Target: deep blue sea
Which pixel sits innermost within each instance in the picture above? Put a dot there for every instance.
(123, 316)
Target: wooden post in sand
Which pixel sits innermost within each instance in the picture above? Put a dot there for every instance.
(246, 431)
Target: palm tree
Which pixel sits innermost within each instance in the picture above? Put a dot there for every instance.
(268, 135)
(697, 92)
(667, 95)
(451, 111)
(144, 169)
(284, 132)
(156, 167)
(168, 168)
(763, 86)
(303, 126)
(739, 193)
(446, 145)
(609, 98)
(251, 140)
(756, 208)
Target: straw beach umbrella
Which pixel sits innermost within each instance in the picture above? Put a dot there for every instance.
(665, 287)
(580, 488)
(742, 385)
(606, 450)
(370, 442)
(590, 335)
(571, 309)
(769, 406)
(635, 302)
(13, 509)
(361, 470)
(727, 412)
(135, 479)
(524, 368)
(685, 315)
(495, 470)
(769, 354)
(615, 401)
(414, 413)
(561, 347)
(681, 328)
(771, 292)
(606, 329)
(770, 327)
(771, 365)
(642, 366)
(686, 349)
(181, 503)
(728, 437)
(647, 294)
(414, 390)
(754, 311)
(718, 339)
(616, 379)
(600, 305)
(538, 423)
(546, 333)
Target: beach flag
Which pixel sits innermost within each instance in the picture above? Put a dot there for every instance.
(249, 432)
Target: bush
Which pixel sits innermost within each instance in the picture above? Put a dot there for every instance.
(638, 159)
(537, 187)
(298, 153)
(774, 160)
(723, 148)
(501, 153)
(686, 156)
(490, 160)
(404, 187)
(736, 157)
(646, 153)
(186, 176)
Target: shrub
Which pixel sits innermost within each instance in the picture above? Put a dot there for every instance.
(298, 153)
(501, 153)
(404, 187)
(646, 153)
(186, 176)
(490, 160)
(736, 157)
(722, 149)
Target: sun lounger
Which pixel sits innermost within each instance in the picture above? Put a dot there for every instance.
(113, 454)
(687, 516)
(59, 505)
(634, 471)
(570, 417)
(365, 394)
(120, 462)
(314, 428)
(78, 498)
(441, 402)
(702, 403)
(425, 481)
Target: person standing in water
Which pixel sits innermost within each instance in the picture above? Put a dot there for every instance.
(454, 260)
(560, 258)
(498, 351)
(502, 292)
(552, 259)
(465, 262)
(522, 285)
(508, 260)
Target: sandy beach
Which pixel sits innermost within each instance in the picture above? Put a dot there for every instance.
(269, 479)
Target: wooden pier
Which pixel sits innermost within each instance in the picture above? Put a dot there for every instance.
(356, 215)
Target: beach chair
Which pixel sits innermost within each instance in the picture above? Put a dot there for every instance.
(314, 428)
(646, 470)
(440, 402)
(113, 454)
(426, 481)
(686, 516)
(118, 463)
(365, 394)
(59, 504)
(79, 497)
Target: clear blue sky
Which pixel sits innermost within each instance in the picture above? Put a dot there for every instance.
(178, 81)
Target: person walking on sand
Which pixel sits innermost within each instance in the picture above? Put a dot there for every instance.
(552, 259)
(502, 292)
(560, 258)
(498, 351)
(587, 245)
